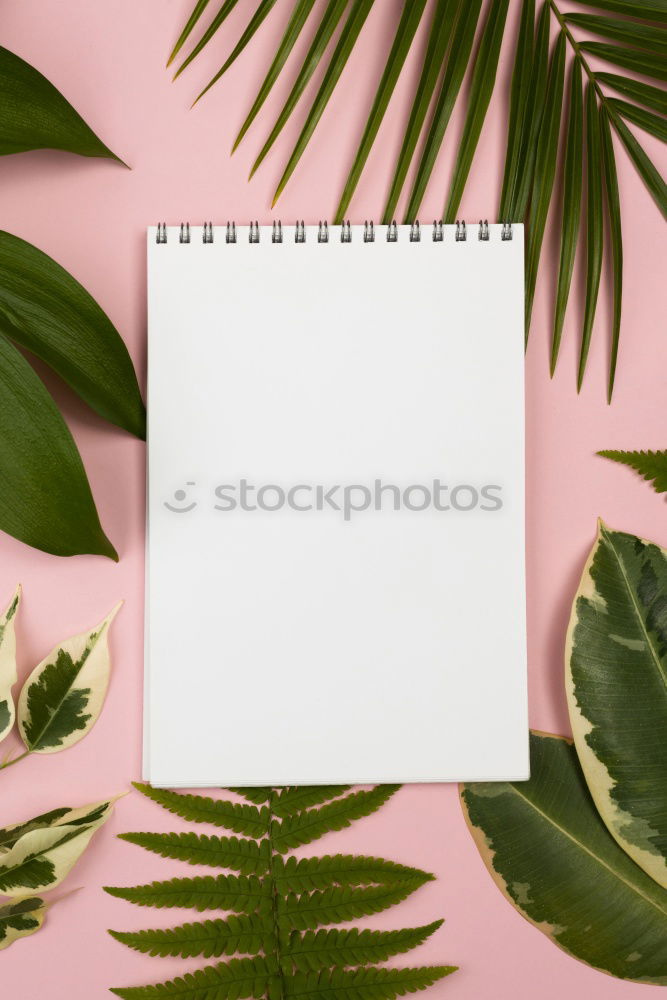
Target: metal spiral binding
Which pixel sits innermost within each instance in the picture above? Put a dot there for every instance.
(300, 232)
(184, 235)
(483, 234)
(231, 233)
(323, 232)
(461, 235)
(345, 233)
(207, 233)
(506, 231)
(415, 233)
(254, 232)
(277, 234)
(369, 232)
(438, 234)
(161, 236)
(392, 232)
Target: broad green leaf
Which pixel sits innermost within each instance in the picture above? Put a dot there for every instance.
(47, 311)
(304, 827)
(641, 35)
(651, 123)
(572, 181)
(549, 852)
(545, 171)
(364, 984)
(247, 820)
(321, 949)
(519, 95)
(329, 906)
(440, 36)
(243, 935)
(651, 10)
(355, 21)
(332, 15)
(240, 893)
(298, 797)
(197, 12)
(651, 465)
(644, 93)
(64, 816)
(639, 62)
(304, 874)
(43, 857)
(244, 856)
(616, 682)
(643, 163)
(20, 918)
(300, 14)
(35, 115)
(62, 698)
(45, 500)
(8, 664)
(240, 977)
(615, 241)
(264, 8)
(481, 87)
(223, 13)
(594, 225)
(405, 33)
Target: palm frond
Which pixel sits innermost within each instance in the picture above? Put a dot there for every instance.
(615, 241)
(223, 13)
(263, 10)
(594, 225)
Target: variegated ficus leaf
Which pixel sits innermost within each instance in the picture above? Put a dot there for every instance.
(20, 918)
(63, 696)
(282, 908)
(8, 664)
(616, 679)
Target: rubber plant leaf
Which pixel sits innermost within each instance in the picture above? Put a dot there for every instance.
(651, 465)
(62, 816)
(551, 855)
(8, 664)
(616, 679)
(21, 917)
(62, 698)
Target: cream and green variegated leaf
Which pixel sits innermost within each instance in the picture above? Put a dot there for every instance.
(616, 680)
(549, 852)
(63, 696)
(8, 664)
(64, 816)
(20, 918)
(41, 858)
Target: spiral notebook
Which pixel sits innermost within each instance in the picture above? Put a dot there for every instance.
(335, 572)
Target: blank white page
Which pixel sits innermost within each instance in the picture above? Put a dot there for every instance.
(374, 632)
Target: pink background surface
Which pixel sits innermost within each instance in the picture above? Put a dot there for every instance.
(108, 59)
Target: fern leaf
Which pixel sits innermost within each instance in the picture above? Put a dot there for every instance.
(321, 949)
(239, 893)
(304, 827)
(244, 935)
(258, 795)
(301, 912)
(298, 797)
(363, 984)
(651, 465)
(304, 874)
(248, 820)
(240, 977)
(244, 856)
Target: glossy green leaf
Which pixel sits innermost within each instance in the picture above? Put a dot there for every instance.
(197, 12)
(321, 949)
(355, 21)
(364, 984)
(304, 827)
(240, 893)
(653, 124)
(19, 918)
(328, 906)
(594, 225)
(221, 16)
(642, 35)
(304, 874)
(46, 499)
(405, 33)
(242, 935)
(572, 182)
(650, 10)
(288, 801)
(651, 465)
(264, 8)
(457, 63)
(248, 820)
(244, 856)
(615, 242)
(545, 172)
(639, 62)
(45, 310)
(643, 163)
(481, 88)
(644, 93)
(240, 977)
(519, 95)
(322, 37)
(63, 816)
(8, 664)
(551, 855)
(616, 682)
(35, 115)
(440, 36)
(300, 14)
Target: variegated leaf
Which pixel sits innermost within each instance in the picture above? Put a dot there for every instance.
(20, 918)
(64, 816)
(616, 680)
(63, 696)
(8, 665)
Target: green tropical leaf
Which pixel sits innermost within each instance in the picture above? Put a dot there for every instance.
(405, 33)
(329, 906)
(244, 856)
(20, 918)
(616, 680)
(64, 816)
(243, 935)
(641, 35)
(594, 225)
(304, 874)
(291, 800)
(62, 698)
(240, 977)
(364, 984)
(644, 93)
(572, 180)
(304, 827)
(644, 165)
(247, 820)
(653, 124)
(223, 13)
(519, 96)
(264, 8)
(190, 24)
(239, 893)
(615, 242)
(8, 664)
(639, 62)
(651, 10)
(35, 115)
(550, 853)
(532, 119)
(481, 87)
(323, 949)
(651, 465)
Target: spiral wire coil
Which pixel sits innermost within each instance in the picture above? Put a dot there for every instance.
(369, 232)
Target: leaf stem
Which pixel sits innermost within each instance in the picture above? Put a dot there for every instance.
(274, 902)
(8, 763)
